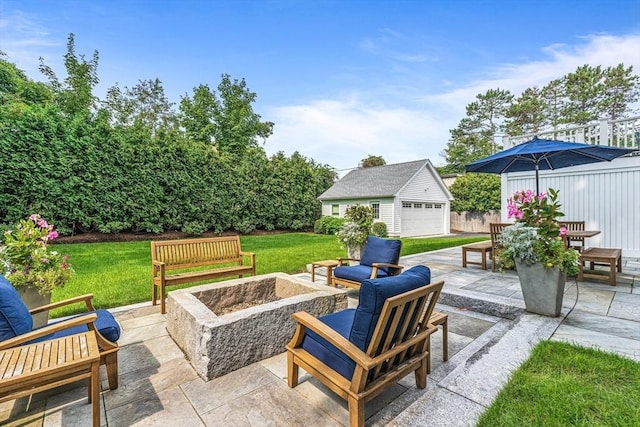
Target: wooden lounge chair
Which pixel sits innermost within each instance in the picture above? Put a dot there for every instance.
(496, 230)
(379, 259)
(16, 326)
(358, 353)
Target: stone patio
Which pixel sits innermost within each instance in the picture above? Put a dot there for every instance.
(489, 336)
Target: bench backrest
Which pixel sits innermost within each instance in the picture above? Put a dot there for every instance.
(196, 252)
(496, 229)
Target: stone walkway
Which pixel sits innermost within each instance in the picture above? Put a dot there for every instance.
(489, 336)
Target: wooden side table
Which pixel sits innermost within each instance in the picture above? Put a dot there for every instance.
(30, 369)
(606, 256)
(483, 248)
(329, 264)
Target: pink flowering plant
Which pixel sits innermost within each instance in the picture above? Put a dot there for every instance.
(27, 260)
(536, 237)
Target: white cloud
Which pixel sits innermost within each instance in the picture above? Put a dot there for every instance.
(25, 40)
(342, 131)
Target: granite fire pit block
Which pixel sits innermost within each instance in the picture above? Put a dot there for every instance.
(224, 326)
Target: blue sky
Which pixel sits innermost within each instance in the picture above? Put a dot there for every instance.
(340, 79)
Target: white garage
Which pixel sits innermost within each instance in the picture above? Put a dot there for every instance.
(410, 198)
(421, 219)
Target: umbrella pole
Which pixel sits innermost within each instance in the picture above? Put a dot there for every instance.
(537, 182)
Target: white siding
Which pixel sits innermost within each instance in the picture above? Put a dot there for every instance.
(386, 208)
(424, 188)
(605, 195)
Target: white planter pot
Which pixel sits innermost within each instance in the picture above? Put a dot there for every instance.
(33, 299)
(542, 288)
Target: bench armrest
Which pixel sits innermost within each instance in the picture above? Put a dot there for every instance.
(87, 319)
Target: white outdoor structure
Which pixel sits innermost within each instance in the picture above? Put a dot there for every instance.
(605, 195)
(410, 198)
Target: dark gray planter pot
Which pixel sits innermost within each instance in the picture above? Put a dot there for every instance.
(542, 288)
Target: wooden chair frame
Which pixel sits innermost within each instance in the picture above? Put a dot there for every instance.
(389, 357)
(395, 269)
(495, 229)
(108, 349)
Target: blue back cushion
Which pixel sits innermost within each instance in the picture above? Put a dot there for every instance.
(374, 292)
(15, 318)
(381, 250)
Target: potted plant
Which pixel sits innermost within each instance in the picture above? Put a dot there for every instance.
(535, 246)
(354, 232)
(29, 264)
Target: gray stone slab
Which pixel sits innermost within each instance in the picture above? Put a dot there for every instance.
(605, 324)
(625, 306)
(168, 407)
(482, 376)
(272, 404)
(208, 395)
(72, 409)
(588, 338)
(493, 305)
(149, 381)
(440, 408)
(148, 354)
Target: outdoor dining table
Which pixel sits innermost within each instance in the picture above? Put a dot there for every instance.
(580, 233)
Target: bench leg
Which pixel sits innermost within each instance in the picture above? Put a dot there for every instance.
(163, 309)
(154, 294)
(464, 257)
(612, 271)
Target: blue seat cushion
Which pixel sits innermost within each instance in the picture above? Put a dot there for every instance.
(374, 292)
(381, 250)
(356, 273)
(326, 352)
(15, 318)
(106, 324)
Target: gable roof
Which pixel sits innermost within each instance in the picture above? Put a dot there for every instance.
(377, 181)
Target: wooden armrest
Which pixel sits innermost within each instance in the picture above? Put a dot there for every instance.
(82, 298)
(386, 264)
(250, 254)
(343, 260)
(87, 319)
(354, 353)
(157, 263)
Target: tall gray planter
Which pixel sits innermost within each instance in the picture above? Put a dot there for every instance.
(542, 288)
(32, 299)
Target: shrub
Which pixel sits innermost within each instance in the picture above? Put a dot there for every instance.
(328, 225)
(379, 229)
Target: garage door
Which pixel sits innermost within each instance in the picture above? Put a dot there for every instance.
(422, 219)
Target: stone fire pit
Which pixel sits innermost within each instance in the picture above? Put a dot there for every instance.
(224, 326)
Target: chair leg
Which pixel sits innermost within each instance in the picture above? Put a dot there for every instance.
(163, 298)
(429, 356)
(421, 372)
(154, 294)
(445, 339)
(356, 412)
(111, 363)
(292, 371)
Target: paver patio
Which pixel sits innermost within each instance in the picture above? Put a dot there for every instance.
(489, 336)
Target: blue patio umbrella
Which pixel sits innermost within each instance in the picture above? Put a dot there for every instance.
(545, 154)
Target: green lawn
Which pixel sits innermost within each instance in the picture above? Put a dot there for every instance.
(567, 385)
(120, 273)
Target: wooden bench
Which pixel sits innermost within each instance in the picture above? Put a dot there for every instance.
(483, 248)
(223, 254)
(604, 256)
(30, 369)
